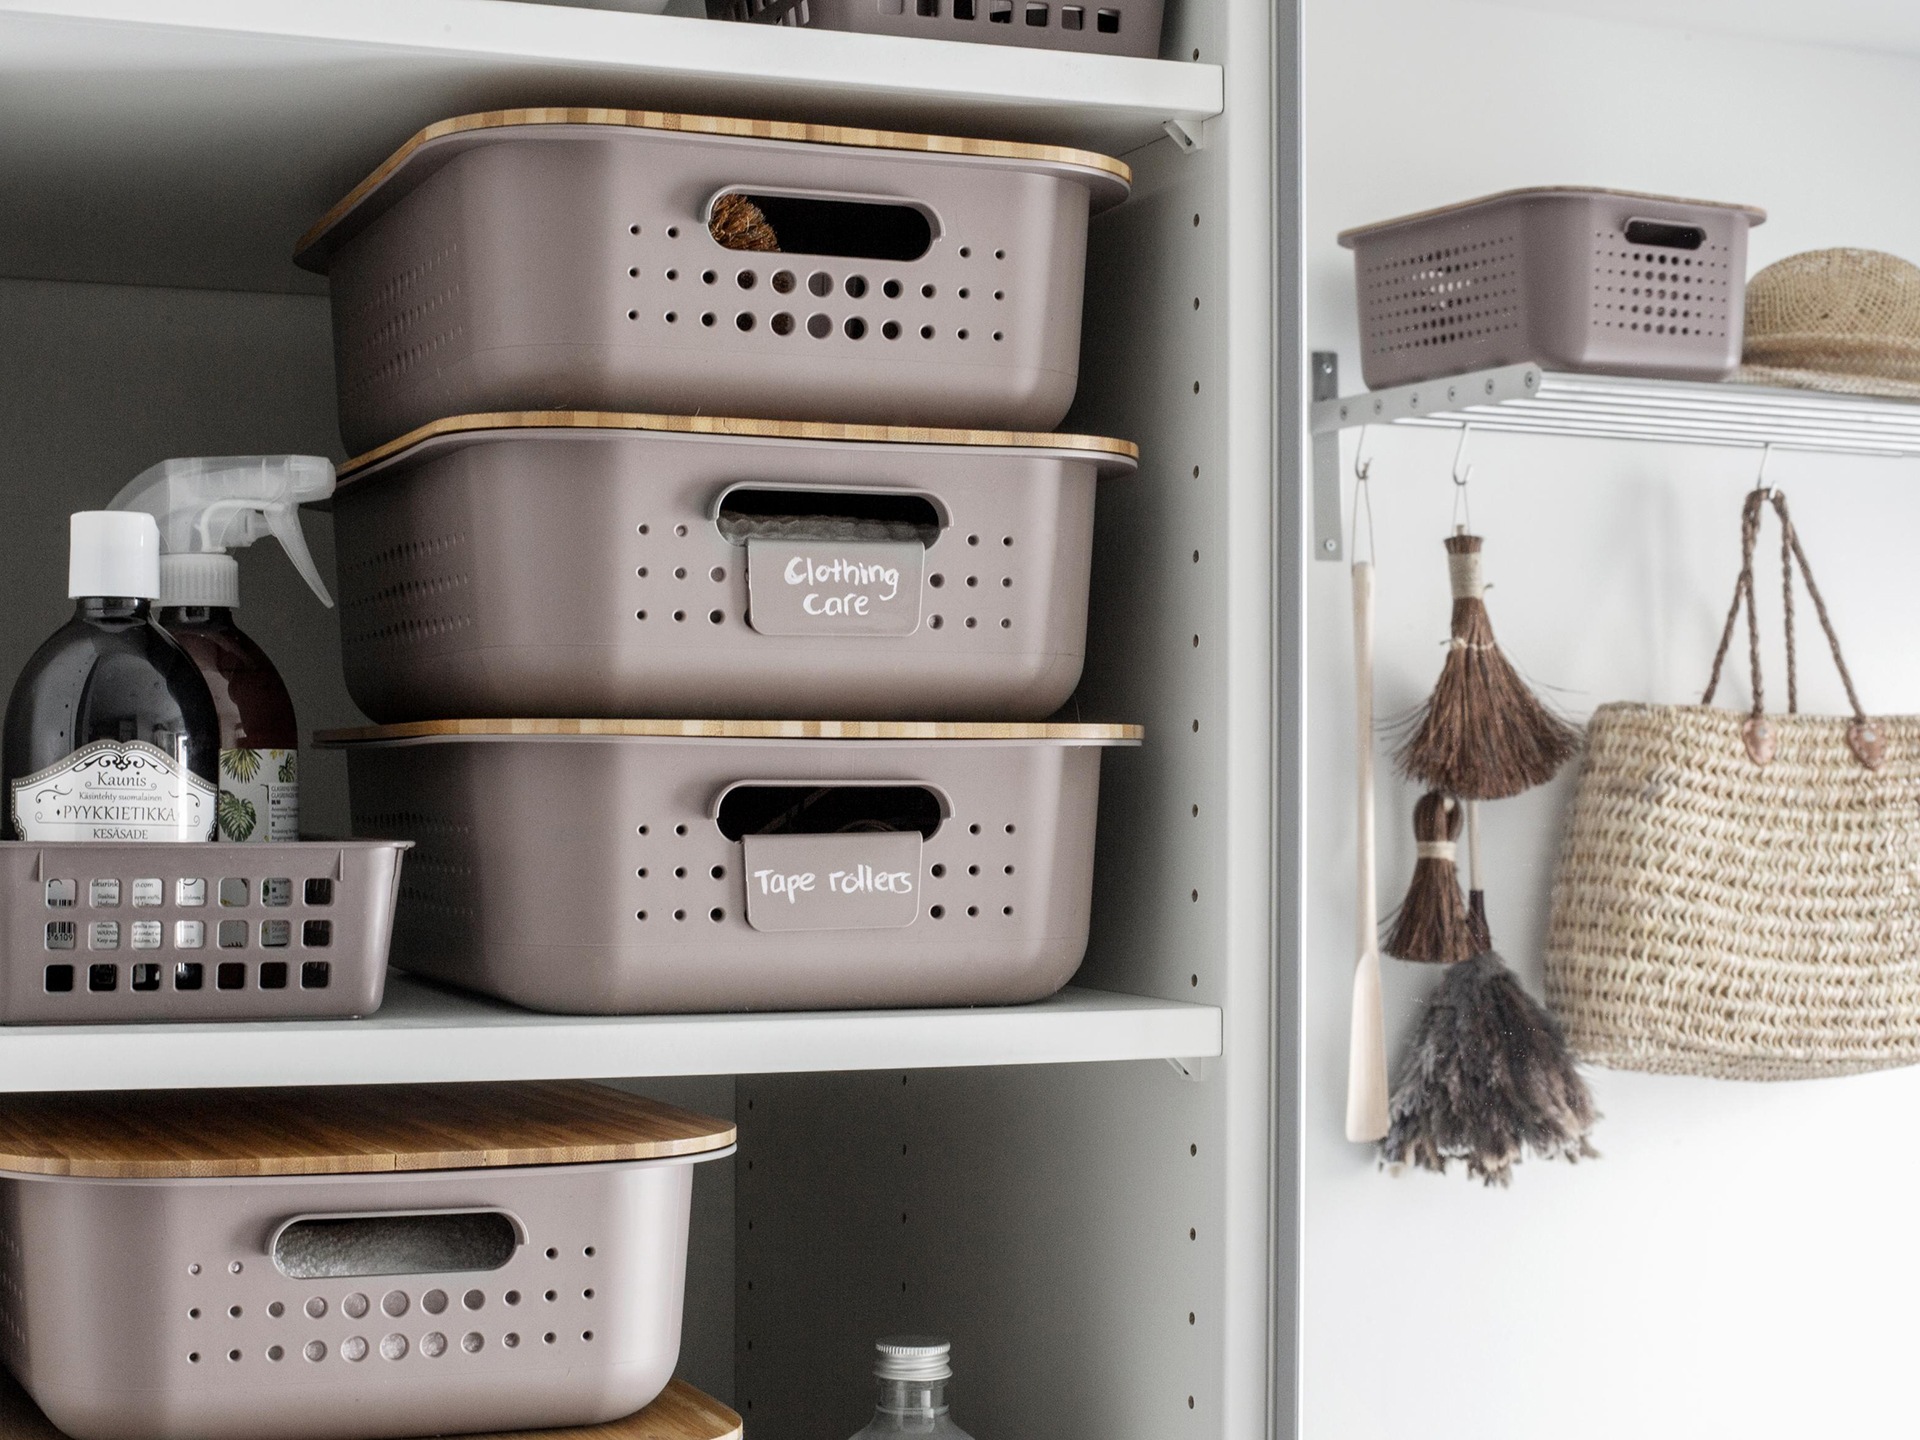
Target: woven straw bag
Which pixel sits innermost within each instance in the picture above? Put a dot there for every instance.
(1739, 895)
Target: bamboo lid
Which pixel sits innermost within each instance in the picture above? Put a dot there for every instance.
(680, 1413)
(737, 730)
(1115, 455)
(1753, 213)
(341, 1130)
(1109, 179)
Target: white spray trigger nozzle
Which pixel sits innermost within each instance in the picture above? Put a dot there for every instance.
(210, 505)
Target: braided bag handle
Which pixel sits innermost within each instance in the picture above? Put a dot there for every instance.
(1863, 736)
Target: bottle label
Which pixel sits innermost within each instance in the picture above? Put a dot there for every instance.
(114, 790)
(259, 795)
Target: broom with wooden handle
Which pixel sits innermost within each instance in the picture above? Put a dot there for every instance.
(1366, 1040)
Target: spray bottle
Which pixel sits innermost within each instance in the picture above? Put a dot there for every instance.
(205, 508)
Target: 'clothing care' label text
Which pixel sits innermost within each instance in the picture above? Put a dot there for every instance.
(827, 587)
(113, 790)
(832, 882)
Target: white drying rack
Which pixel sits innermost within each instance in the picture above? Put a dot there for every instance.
(1525, 399)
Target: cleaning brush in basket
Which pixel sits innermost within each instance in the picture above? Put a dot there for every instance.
(739, 224)
(1433, 924)
(1489, 1076)
(1483, 735)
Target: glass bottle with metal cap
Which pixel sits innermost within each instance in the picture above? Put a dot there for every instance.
(912, 1371)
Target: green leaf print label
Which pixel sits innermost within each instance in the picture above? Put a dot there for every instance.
(259, 795)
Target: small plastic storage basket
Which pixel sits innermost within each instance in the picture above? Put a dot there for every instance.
(1103, 27)
(344, 1264)
(634, 564)
(611, 867)
(99, 932)
(591, 259)
(1597, 280)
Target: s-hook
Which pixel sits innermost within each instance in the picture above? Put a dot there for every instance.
(1362, 494)
(1462, 473)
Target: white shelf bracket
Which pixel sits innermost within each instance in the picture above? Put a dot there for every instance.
(1188, 1068)
(1189, 132)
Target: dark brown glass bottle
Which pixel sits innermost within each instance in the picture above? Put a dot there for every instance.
(259, 737)
(113, 731)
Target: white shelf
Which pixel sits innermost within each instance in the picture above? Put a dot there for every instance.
(1528, 400)
(424, 1033)
(190, 142)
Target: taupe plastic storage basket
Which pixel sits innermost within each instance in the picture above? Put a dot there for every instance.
(98, 932)
(579, 564)
(609, 867)
(344, 1264)
(1104, 27)
(1575, 279)
(541, 259)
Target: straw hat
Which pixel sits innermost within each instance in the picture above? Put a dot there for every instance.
(1841, 320)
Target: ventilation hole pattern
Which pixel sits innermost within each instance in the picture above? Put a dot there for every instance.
(391, 332)
(971, 871)
(1668, 295)
(1445, 296)
(674, 580)
(253, 1316)
(939, 314)
(1070, 26)
(382, 594)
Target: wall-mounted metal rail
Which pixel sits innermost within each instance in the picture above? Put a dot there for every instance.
(1524, 399)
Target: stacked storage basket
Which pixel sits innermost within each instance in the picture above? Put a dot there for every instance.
(350, 1263)
(538, 316)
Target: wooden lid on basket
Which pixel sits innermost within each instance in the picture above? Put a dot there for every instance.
(999, 730)
(341, 1130)
(1108, 179)
(679, 1413)
(1113, 456)
(1753, 213)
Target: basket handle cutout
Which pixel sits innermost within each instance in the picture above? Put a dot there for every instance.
(1665, 234)
(808, 513)
(408, 1242)
(835, 226)
(801, 807)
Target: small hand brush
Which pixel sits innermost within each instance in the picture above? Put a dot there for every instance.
(1433, 923)
(739, 224)
(1483, 734)
(1489, 1077)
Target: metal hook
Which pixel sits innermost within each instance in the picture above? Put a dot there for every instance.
(1462, 476)
(1362, 492)
(1760, 481)
(1462, 473)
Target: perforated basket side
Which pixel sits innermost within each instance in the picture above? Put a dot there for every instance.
(592, 876)
(572, 267)
(584, 572)
(154, 1310)
(136, 933)
(1438, 303)
(1103, 27)
(1573, 280)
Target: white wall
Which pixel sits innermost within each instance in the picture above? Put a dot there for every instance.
(1739, 1262)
